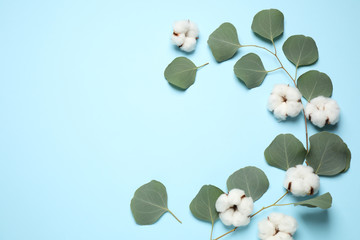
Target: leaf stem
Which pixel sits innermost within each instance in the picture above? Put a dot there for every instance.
(258, 47)
(272, 205)
(202, 65)
(232, 230)
(174, 216)
(212, 229)
(274, 69)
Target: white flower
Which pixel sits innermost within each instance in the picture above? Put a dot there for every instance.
(285, 101)
(234, 208)
(185, 34)
(277, 226)
(322, 110)
(301, 180)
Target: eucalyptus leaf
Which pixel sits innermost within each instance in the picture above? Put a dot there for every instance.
(285, 151)
(224, 42)
(181, 72)
(328, 154)
(268, 23)
(250, 70)
(313, 84)
(250, 179)
(203, 205)
(301, 50)
(348, 159)
(149, 203)
(323, 201)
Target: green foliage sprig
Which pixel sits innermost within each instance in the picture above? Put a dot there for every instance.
(328, 154)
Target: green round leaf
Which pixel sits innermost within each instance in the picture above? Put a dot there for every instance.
(149, 203)
(250, 179)
(328, 154)
(348, 159)
(250, 70)
(285, 151)
(224, 42)
(323, 201)
(268, 23)
(203, 205)
(181, 72)
(301, 50)
(313, 84)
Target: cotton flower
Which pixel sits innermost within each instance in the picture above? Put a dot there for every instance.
(285, 101)
(301, 180)
(322, 110)
(234, 208)
(277, 226)
(185, 34)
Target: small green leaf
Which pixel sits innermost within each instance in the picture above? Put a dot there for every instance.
(250, 179)
(149, 203)
(268, 23)
(285, 151)
(314, 83)
(323, 201)
(328, 154)
(348, 159)
(203, 205)
(301, 50)
(250, 70)
(181, 72)
(224, 42)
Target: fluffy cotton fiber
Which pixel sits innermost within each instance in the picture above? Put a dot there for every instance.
(322, 110)
(301, 181)
(277, 226)
(234, 208)
(185, 34)
(285, 101)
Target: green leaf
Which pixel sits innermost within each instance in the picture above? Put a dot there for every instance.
(328, 154)
(268, 23)
(348, 159)
(301, 50)
(285, 151)
(181, 72)
(314, 83)
(250, 179)
(323, 201)
(224, 42)
(149, 203)
(203, 205)
(250, 70)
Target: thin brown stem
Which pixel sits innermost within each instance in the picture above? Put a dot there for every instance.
(202, 65)
(174, 216)
(264, 48)
(274, 69)
(232, 230)
(272, 205)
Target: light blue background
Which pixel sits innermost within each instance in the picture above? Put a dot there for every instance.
(87, 116)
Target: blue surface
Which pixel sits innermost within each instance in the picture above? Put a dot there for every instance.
(87, 116)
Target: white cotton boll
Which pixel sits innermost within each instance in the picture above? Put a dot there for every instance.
(293, 94)
(322, 110)
(246, 206)
(274, 101)
(288, 225)
(227, 217)
(332, 111)
(178, 39)
(280, 89)
(276, 218)
(240, 219)
(281, 111)
(235, 195)
(193, 31)
(294, 108)
(313, 181)
(301, 180)
(299, 188)
(181, 26)
(283, 236)
(189, 44)
(222, 203)
(266, 229)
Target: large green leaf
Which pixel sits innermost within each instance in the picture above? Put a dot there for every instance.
(268, 23)
(250, 70)
(301, 50)
(149, 203)
(181, 72)
(250, 179)
(313, 84)
(323, 201)
(285, 151)
(328, 154)
(348, 159)
(203, 205)
(224, 42)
